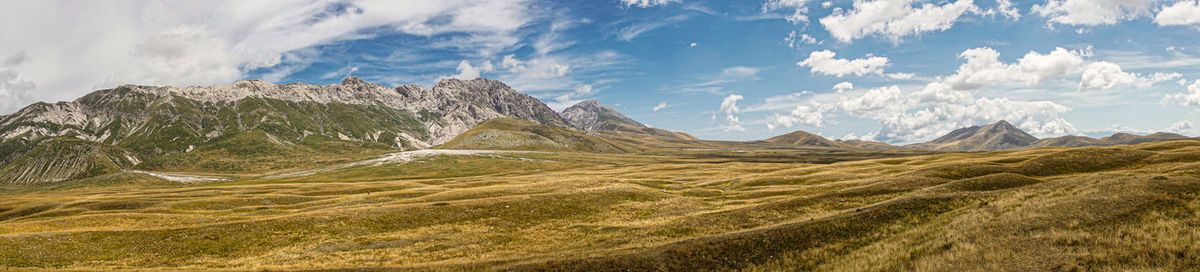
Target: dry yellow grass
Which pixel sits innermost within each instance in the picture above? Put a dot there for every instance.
(1113, 208)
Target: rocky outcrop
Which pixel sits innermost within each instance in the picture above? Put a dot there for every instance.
(590, 116)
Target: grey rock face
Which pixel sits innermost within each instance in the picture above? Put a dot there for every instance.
(591, 116)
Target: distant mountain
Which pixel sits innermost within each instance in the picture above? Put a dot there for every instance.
(590, 116)
(512, 134)
(802, 138)
(1068, 141)
(604, 121)
(869, 145)
(1126, 138)
(1002, 135)
(169, 123)
(997, 136)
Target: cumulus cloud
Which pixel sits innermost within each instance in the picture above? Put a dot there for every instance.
(1184, 127)
(647, 3)
(843, 86)
(1185, 12)
(917, 114)
(1106, 75)
(825, 62)
(729, 109)
(984, 68)
(893, 19)
(205, 43)
(1092, 12)
(1189, 98)
(466, 71)
(802, 114)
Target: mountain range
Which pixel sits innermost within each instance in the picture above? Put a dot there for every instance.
(252, 126)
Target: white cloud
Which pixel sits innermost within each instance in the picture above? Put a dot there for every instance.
(630, 32)
(647, 3)
(15, 91)
(739, 72)
(566, 100)
(796, 39)
(1092, 12)
(468, 72)
(1106, 75)
(1189, 98)
(893, 19)
(916, 115)
(877, 103)
(842, 87)
(797, 7)
(1005, 8)
(537, 68)
(1186, 12)
(803, 115)
(729, 109)
(824, 62)
(661, 106)
(983, 68)
(204, 43)
(693, 45)
(864, 137)
(1185, 127)
(900, 75)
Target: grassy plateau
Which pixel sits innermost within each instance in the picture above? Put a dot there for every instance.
(1121, 208)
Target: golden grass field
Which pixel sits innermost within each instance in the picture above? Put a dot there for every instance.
(1102, 208)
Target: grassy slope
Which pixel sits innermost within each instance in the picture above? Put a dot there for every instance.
(512, 134)
(57, 159)
(256, 152)
(1112, 208)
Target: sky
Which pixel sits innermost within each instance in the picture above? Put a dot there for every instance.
(896, 71)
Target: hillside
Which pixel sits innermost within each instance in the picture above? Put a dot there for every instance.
(801, 138)
(996, 136)
(164, 125)
(58, 159)
(1126, 138)
(1069, 141)
(512, 134)
(869, 145)
(1130, 207)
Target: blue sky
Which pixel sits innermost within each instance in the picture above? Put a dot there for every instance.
(897, 71)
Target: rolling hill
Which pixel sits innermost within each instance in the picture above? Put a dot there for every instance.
(802, 138)
(996, 136)
(512, 134)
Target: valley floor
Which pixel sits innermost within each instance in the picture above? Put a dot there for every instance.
(1100, 208)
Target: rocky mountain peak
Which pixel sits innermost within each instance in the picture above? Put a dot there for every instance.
(353, 80)
(590, 115)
